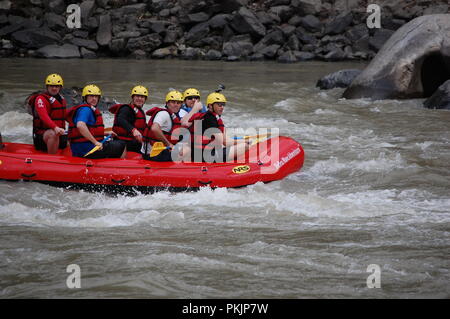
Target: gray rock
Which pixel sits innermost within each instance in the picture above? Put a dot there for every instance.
(311, 23)
(134, 9)
(267, 19)
(64, 51)
(55, 21)
(138, 55)
(5, 5)
(191, 54)
(197, 17)
(159, 27)
(440, 99)
(158, 5)
(92, 24)
(284, 12)
(80, 34)
(10, 29)
(305, 38)
(213, 55)
(240, 46)
(287, 30)
(279, 2)
(436, 9)
(164, 13)
(117, 46)
(3, 19)
(232, 58)
(102, 3)
(104, 35)
(87, 54)
(87, 10)
(245, 21)
(256, 57)
(228, 6)
(336, 54)
(269, 51)
(35, 38)
(6, 44)
(413, 63)
(164, 52)
(171, 37)
(56, 6)
(287, 57)
(197, 33)
(357, 32)
(88, 44)
(219, 21)
(379, 39)
(339, 79)
(304, 56)
(274, 37)
(293, 43)
(305, 7)
(295, 20)
(128, 34)
(147, 43)
(339, 24)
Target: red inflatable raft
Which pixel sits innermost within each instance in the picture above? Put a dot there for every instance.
(269, 160)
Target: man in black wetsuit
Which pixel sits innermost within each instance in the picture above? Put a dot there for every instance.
(129, 121)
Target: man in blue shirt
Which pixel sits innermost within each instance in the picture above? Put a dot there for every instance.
(86, 129)
(190, 96)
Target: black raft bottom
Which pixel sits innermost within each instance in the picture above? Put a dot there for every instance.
(119, 189)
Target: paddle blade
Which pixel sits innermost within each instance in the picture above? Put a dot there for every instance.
(92, 151)
(157, 148)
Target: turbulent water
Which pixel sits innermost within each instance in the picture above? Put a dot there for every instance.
(374, 190)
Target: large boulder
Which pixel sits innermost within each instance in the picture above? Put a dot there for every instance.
(245, 21)
(340, 79)
(65, 51)
(413, 63)
(440, 99)
(35, 38)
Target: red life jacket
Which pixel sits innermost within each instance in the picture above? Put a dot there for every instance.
(97, 130)
(148, 135)
(56, 111)
(139, 122)
(200, 140)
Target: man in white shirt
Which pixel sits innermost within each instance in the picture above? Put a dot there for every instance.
(162, 123)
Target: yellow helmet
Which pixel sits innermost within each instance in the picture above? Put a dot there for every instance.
(54, 79)
(174, 96)
(191, 92)
(139, 90)
(91, 89)
(216, 97)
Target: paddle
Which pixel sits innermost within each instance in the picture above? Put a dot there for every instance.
(97, 147)
(250, 136)
(157, 148)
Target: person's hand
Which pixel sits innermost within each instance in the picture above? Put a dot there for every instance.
(59, 131)
(197, 106)
(100, 145)
(114, 134)
(170, 146)
(137, 135)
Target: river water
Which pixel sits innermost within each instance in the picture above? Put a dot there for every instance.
(374, 190)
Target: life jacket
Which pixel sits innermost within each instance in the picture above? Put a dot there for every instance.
(139, 122)
(149, 136)
(199, 140)
(97, 130)
(56, 111)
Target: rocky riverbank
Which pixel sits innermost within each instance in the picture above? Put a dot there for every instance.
(282, 30)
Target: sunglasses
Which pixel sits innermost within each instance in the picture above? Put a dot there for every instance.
(220, 103)
(193, 98)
